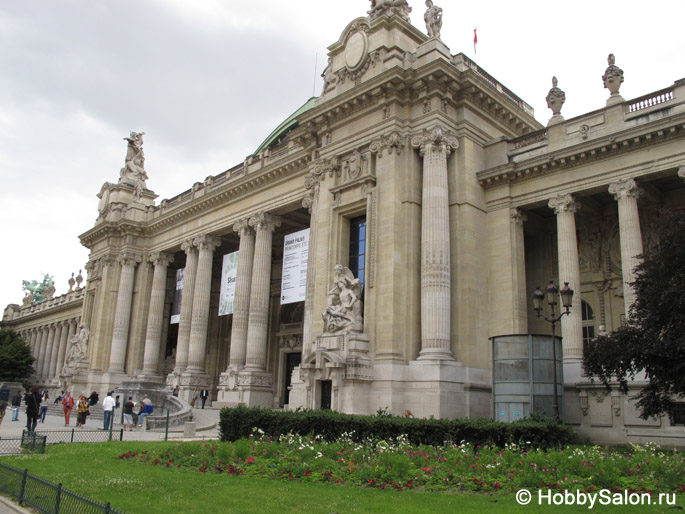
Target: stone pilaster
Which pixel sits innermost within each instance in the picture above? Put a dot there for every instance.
(67, 332)
(45, 362)
(52, 369)
(241, 304)
(565, 208)
(200, 318)
(435, 146)
(310, 202)
(153, 335)
(122, 314)
(264, 225)
(626, 193)
(186, 316)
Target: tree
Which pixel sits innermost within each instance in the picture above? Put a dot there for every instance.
(653, 339)
(16, 361)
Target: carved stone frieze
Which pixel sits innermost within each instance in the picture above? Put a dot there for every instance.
(344, 310)
(255, 379)
(354, 166)
(292, 342)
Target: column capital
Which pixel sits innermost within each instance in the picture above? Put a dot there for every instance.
(437, 139)
(160, 259)
(518, 217)
(207, 242)
(265, 221)
(681, 172)
(564, 203)
(242, 227)
(625, 188)
(188, 247)
(129, 259)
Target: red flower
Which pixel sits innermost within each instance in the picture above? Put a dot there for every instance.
(427, 470)
(249, 460)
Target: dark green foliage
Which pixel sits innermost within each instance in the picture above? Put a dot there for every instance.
(653, 340)
(16, 361)
(239, 422)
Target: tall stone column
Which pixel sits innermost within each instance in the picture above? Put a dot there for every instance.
(52, 369)
(626, 193)
(435, 146)
(241, 303)
(200, 318)
(35, 342)
(47, 353)
(565, 208)
(122, 313)
(40, 355)
(310, 202)
(153, 336)
(264, 225)
(67, 333)
(186, 315)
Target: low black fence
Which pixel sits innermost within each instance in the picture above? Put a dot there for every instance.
(45, 496)
(28, 442)
(78, 435)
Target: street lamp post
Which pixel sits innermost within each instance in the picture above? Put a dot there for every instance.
(566, 294)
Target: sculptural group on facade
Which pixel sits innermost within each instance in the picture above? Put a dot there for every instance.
(390, 7)
(78, 347)
(344, 307)
(36, 292)
(133, 172)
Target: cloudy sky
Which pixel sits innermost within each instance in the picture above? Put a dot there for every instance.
(207, 80)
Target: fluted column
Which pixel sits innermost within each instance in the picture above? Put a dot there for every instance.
(186, 316)
(200, 318)
(122, 314)
(48, 352)
(565, 208)
(52, 369)
(67, 332)
(40, 357)
(264, 225)
(153, 335)
(626, 193)
(34, 342)
(310, 202)
(241, 303)
(435, 146)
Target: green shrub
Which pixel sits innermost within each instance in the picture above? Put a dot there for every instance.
(239, 422)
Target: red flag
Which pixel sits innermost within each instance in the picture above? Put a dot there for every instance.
(475, 39)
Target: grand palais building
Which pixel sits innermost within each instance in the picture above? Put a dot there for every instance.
(377, 246)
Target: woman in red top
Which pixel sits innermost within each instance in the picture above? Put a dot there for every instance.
(67, 404)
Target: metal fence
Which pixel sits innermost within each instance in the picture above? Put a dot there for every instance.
(45, 496)
(77, 435)
(28, 442)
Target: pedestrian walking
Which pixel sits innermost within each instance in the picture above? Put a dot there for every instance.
(107, 408)
(67, 405)
(4, 401)
(82, 411)
(16, 405)
(32, 401)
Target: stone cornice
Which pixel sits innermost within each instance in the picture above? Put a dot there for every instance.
(234, 190)
(104, 230)
(566, 158)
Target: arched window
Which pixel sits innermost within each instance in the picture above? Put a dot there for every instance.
(588, 322)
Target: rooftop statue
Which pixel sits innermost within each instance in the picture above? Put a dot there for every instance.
(389, 7)
(38, 291)
(344, 310)
(433, 18)
(133, 172)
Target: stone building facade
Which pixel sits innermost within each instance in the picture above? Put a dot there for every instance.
(435, 204)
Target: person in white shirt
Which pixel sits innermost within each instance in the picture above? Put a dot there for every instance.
(108, 406)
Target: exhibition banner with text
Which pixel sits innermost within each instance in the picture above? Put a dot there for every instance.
(294, 279)
(228, 275)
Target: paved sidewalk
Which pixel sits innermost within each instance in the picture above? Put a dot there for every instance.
(206, 420)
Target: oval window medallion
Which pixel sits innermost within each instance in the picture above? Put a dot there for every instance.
(355, 50)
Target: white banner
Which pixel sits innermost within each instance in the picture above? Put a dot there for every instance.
(228, 274)
(294, 278)
(178, 296)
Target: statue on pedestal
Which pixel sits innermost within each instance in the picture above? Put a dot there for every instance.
(433, 19)
(78, 349)
(389, 7)
(133, 172)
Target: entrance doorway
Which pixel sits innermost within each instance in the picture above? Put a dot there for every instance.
(326, 393)
(292, 360)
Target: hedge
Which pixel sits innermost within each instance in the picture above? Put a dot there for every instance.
(239, 422)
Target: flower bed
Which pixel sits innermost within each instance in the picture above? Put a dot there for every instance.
(399, 465)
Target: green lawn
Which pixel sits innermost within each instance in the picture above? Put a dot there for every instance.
(93, 470)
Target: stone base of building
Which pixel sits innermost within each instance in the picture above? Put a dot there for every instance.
(255, 389)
